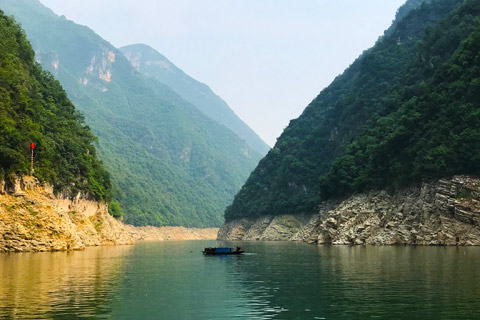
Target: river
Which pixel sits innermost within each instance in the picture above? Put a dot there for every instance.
(273, 280)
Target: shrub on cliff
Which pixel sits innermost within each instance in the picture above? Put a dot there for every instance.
(115, 210)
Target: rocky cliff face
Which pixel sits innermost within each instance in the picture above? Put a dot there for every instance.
(32, 218)
(444, 212)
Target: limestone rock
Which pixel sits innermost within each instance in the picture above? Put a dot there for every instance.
(443, 212)
(32, 218)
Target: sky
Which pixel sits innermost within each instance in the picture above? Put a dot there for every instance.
(268, 59)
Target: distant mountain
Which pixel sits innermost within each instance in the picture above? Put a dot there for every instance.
(34, 108)
(169, 163)
(153, 64)
(405, 110)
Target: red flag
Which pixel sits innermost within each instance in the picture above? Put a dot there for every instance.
(32, 146)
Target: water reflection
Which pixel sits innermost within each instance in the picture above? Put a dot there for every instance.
(276, 280)
(310, 282)
(178, 282)
(59, 285)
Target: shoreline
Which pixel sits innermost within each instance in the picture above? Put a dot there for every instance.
(170, 233)
(443, 212)
(34, 219)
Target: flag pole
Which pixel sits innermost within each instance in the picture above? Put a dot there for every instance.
(32, 146)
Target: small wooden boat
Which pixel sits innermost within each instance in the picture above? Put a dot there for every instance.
(213, 251)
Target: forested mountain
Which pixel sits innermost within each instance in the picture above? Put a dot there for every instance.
(430, 125)
(34, 108)
(169, 163)
(152, 63)
(405, 110)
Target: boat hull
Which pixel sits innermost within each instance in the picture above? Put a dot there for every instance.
(222, 253)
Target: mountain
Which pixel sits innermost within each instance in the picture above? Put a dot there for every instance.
(430, 127)
(169, 163)
(152, 63)
(35, 108)
(404, 111)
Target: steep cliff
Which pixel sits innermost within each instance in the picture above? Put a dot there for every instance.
(33, 218)
(441, 212)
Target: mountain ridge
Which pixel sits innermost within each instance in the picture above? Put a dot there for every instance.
(152, 63)
(292, 177)
(169, 163)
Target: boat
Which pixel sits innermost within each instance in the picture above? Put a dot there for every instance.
(221, 251)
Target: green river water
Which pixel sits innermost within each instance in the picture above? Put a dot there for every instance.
(273, 280)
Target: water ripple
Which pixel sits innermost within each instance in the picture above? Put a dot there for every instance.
(169, 280)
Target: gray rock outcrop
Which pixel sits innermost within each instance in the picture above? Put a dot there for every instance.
(443, 212)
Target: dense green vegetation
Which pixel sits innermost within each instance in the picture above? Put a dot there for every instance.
(153, 64)
(115, 210)
(429, 126)
(169, 163)
(35, 108)
(403, 11)
(392, 118)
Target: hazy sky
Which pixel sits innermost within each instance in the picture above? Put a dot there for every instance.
(267, 58)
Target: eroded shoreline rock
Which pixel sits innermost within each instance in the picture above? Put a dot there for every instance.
(444, 212)
(33, 219)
